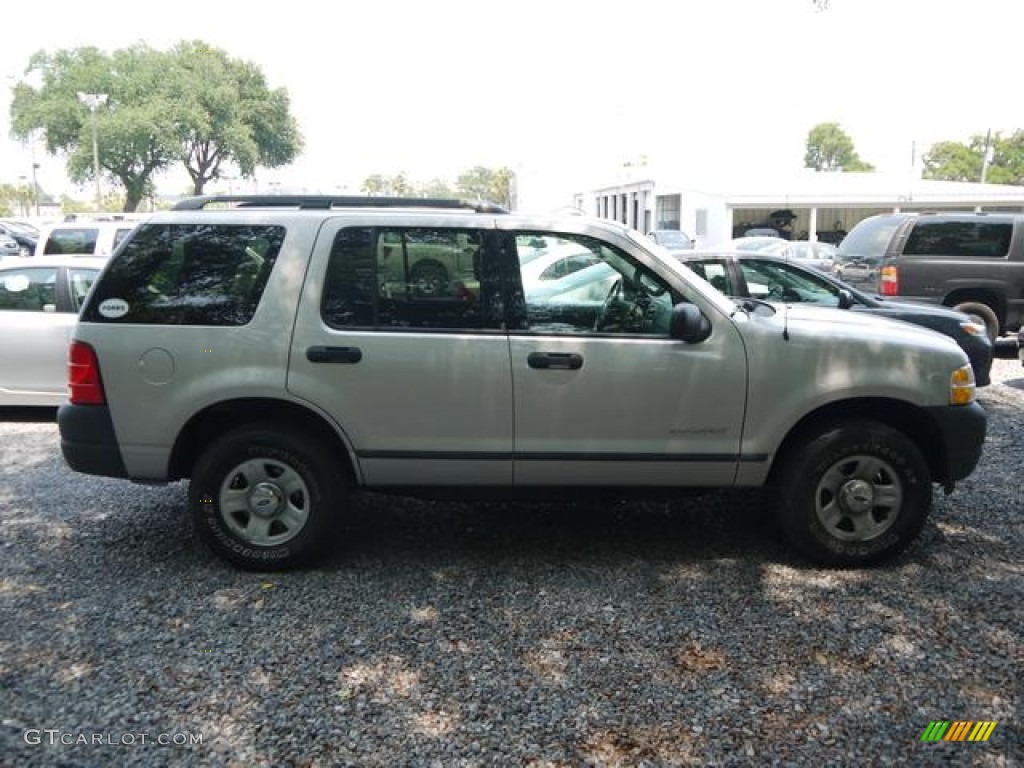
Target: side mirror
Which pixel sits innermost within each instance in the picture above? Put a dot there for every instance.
(846, 299)
(688, 323)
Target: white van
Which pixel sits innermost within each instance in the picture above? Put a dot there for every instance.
(83, 238)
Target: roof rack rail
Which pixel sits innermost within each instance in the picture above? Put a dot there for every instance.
(326, 202)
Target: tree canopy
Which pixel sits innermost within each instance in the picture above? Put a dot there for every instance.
(829, 148)
(478, 183)
(955, 161)
(192, 105)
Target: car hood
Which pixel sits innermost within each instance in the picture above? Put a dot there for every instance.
(845, 324)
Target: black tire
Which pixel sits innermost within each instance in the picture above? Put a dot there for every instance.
(265, 497)
(854, 494)
(984, 313)
(429, 278)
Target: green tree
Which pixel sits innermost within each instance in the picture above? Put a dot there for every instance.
(191, 105)
(436, 188)
(225, 113)
(375, 185)
(482, 183)
(955, 161)
(829, 148)
(134, 128)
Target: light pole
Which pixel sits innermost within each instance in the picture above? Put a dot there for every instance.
(35, 184)
(93, 101)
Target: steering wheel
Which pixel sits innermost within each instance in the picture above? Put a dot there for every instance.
(613, 295)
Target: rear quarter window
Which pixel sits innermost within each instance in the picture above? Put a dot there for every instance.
(187, 274)
(870, 238)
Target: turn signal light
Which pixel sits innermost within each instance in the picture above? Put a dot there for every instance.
(961, 386)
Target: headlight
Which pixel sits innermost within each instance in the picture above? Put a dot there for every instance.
(961, 386)
(975, 329)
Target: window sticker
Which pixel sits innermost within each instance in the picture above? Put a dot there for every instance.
(114, 308)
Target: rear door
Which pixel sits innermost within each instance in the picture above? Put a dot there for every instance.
(400, 339)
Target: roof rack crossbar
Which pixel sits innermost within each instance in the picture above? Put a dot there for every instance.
(326, 202)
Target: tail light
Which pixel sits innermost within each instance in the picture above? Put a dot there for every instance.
(84, 383)
(890, 280)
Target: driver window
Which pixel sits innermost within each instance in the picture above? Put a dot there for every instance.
(573, 284)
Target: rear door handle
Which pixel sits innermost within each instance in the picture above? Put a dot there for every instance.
(348, 355)
(566, 361)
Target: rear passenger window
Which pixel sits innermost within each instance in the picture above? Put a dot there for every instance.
(72, 240)
(393, 278)
(187, 274)
(31, 290)
(982, 239)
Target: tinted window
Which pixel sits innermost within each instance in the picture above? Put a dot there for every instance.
(30, 290)
(392, 278)
(869, 238)
(120, 235)
(191, 274)
(612, 294)
(74, 240)
(989, 239)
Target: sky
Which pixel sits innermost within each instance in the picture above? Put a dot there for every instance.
(567, 92)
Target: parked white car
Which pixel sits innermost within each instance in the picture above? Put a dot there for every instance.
(39, 303)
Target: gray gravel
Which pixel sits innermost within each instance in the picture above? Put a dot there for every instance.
(603, 634)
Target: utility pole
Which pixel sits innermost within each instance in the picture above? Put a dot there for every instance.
(93, 101)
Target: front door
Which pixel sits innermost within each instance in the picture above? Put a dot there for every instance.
(603, 395)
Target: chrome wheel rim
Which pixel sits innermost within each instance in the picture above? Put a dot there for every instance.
(858, 498)
(264, 502)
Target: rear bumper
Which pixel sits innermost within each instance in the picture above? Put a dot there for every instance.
(88, 442)
(962, 433)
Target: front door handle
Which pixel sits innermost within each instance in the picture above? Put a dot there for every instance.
(348, 355)
(565, 361)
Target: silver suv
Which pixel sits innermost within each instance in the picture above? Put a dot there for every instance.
(282, 353)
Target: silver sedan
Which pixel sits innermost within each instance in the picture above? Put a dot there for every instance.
(39, 303)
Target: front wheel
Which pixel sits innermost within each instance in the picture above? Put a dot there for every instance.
(854, 494)
(264, 497)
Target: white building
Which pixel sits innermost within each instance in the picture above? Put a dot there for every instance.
(822, 205)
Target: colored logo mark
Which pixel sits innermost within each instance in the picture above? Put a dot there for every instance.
(958, 730)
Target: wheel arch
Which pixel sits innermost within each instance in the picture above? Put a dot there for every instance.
(900, 415)
(992, 299)
(214, 420)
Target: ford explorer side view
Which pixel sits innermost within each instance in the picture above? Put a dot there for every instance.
(281, 354)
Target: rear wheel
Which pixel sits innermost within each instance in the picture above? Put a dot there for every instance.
(982, 313)
(854, 494)
(264, 497)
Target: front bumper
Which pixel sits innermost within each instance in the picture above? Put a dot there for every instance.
(962, 436)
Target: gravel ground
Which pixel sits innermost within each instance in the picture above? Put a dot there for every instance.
(601, 634)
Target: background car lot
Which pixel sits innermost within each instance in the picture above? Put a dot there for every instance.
(608, 632)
